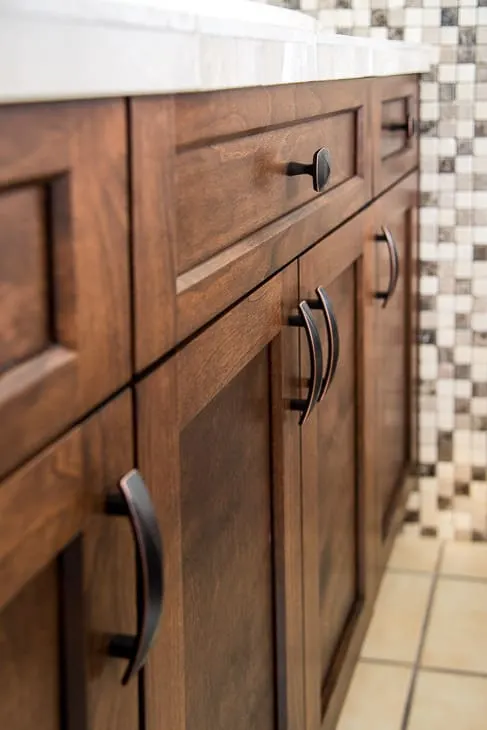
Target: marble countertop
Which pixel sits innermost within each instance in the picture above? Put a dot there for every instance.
(61, 49)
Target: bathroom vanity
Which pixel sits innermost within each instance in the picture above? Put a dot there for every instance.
(208, 364)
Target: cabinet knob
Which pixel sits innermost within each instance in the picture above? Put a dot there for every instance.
(133, 501)
(410, 126)
(319, 169)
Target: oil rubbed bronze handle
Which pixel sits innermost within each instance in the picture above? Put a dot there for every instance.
(319, 169)
(305, 319)
(323, 303)
(386, 236)
(410, 126)
(133, 501)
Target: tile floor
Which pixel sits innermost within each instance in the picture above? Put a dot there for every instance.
(423, 664)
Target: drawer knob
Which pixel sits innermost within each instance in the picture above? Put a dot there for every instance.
(410, 126)
(319, 169)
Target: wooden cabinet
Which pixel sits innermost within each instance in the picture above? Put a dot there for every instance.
(393, 238)
(337, 495)
(219, 446)
(270, 401)
(67, 582)
(64, 258)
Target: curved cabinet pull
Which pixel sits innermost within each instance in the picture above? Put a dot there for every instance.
(305, 319)
(319, 169)
(324, 304)
(386, 236)
(133, 501)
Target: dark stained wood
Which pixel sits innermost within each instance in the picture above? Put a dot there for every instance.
(226, 347)
(228, 501)
(42, 507)
(275, 537)
(54, 620)
(109, 582)
(154, 226)
(217, 114)
(33, 399)
(217, 283)
(216, 216)
(394, 155)
(287, 514)
(336, 491)
(227, 556)
(73, 157)
(24, 312)
(395, 361)
(29, 647)
(72, 630)
(245, 182)
(159, 461)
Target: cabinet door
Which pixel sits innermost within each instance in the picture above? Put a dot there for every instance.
(67, 583)
(336, 494)
(220, 445)
(64, 284)
(393, 236)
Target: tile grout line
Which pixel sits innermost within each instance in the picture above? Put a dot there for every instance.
(386, 662)
(416, 666)
(427, 669)
(443, 576)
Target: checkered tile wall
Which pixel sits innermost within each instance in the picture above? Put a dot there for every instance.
(452, 497)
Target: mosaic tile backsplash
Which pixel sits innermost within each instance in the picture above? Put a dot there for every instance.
(452, 497)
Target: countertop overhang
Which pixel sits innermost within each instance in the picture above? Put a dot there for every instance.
(75, 49)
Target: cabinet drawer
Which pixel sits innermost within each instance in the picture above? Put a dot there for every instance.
(64, 292)
(396, 120)
(214, 205)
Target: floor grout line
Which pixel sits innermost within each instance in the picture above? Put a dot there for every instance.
(461, 578)
(386, 662)
(456, 672)
(410, 571)
(427, 616)
(442, 576)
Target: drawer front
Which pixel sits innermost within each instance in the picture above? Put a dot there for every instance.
(64, 289)
(395, 129)
(213, 205)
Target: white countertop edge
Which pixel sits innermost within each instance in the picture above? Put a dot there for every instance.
(67, 49)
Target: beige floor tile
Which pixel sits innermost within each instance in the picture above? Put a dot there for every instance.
(449, 702)
(457, 637)
(399, 613)
(467, 559)
(376, 698)
(418, 554)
